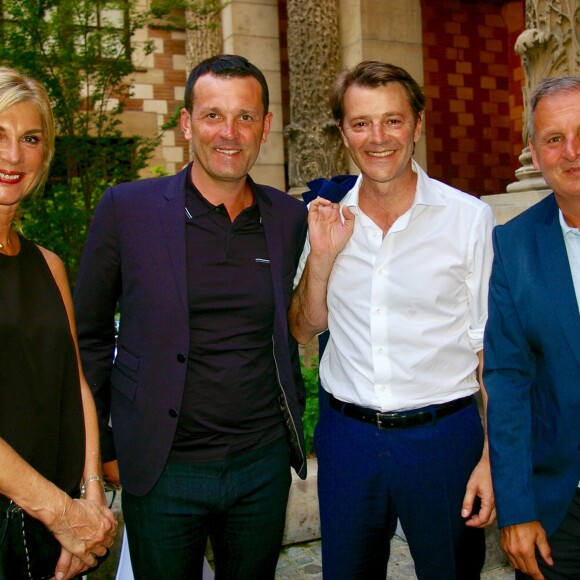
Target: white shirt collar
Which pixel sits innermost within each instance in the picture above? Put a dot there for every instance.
(565, 227)
(426, 193)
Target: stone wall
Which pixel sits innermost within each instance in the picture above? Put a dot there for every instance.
(158, 91)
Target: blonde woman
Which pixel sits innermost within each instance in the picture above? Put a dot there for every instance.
(49, 449)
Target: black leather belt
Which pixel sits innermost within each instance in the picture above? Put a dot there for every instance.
(403, 419)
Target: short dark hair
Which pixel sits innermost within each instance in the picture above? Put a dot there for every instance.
(226, 65)
(546, 88)
(372, 73)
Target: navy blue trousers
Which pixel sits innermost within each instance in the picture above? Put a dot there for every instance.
(367, 478)
(240, 503)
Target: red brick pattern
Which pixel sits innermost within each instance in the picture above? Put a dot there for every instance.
(473, 82)
(172, 79)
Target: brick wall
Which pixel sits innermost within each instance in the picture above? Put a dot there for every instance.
(158, 91)
(473, 82)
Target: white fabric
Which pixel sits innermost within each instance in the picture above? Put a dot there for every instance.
(407, 312)
(124, 569)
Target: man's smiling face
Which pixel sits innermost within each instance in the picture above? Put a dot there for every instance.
(380, 130)
(226, 127)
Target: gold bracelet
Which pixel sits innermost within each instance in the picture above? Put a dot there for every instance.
(89, 480)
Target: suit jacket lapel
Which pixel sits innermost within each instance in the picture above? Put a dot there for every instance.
(274, 243)
(554, 262)
(172, 216)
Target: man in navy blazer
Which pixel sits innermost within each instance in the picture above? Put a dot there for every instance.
(202, 404)
(532, 350)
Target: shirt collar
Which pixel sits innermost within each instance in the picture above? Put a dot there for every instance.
(198, 205)
(427, 192)
(566, 229)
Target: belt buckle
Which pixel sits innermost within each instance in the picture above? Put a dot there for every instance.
(389, 419)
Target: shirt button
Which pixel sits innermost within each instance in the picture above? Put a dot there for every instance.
(181, 357)
(380, 271)
(378, 311)
(382, 387)
(380, 349)
(172, 413)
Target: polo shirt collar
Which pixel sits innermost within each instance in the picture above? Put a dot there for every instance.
(198, 205)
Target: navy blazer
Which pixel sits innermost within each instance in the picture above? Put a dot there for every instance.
(135, 258)
(532, 370)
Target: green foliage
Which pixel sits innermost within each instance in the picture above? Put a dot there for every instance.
(81, 51)
(173, 120)
(158, 171)
(310, 417)
(57, 220)
(170, 14)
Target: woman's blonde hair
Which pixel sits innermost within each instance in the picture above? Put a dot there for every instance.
(16, 88)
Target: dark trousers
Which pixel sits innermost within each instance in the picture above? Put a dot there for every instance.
(565, 546)
(367, 478)
(240, 503)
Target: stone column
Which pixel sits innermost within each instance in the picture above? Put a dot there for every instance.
(314, 145)
(251, 29)
(203, 35)
(204, 32)
(549, 47)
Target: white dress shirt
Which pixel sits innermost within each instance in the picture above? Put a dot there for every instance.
(407, 312)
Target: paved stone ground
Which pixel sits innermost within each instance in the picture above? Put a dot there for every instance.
(303, 561)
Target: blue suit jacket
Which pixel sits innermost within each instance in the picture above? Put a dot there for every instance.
(532, 370)
(135, 257)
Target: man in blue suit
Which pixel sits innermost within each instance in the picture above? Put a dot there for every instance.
(205, 394)
(532, 352)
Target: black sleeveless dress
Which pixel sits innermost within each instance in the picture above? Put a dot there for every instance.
(41, 414)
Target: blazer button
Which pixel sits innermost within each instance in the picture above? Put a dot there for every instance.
(172, 413)
(181, 357)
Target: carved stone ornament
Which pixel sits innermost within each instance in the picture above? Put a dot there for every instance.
(549, 47)
(314, 145)
(204, 33)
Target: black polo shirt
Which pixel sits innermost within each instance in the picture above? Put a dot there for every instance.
(230, 402)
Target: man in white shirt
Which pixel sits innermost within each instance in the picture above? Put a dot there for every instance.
(398, 273)
(532, 344)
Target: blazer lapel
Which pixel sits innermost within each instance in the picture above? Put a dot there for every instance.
(274, 243)
(554, 262)
(172, 216)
